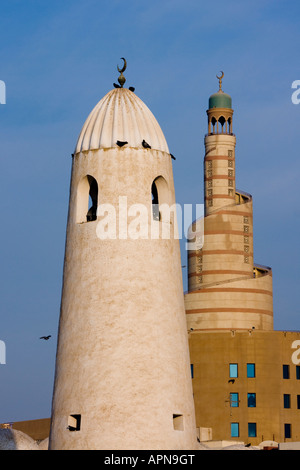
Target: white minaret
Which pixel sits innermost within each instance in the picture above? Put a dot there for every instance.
(122, 376)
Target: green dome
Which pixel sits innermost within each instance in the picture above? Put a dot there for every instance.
(219, 100)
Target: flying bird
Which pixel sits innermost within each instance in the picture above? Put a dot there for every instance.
(121, 143)
(146, 145)
(45, 337)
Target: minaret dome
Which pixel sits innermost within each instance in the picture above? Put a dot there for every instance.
(220, 111)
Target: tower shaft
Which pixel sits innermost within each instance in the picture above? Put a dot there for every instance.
(226, 288)
(122, 372)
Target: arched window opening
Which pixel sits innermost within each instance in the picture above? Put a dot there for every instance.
(213, 122)
(229, 126)
(155, 202)
(93, 200)
(87, 200)
(221, 120)
(160, 198)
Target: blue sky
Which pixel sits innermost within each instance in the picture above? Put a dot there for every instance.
(58, 59)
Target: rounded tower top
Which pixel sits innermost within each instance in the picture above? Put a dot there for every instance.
(220, 99)
(120, 119)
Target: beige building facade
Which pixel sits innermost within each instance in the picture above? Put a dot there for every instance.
(246, 377)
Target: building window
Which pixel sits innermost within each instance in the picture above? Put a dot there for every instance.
(250, 370)
(234, 430)
(286, 371)
(234, 400)
(87, 200)
(230, 153)
(233, 370)
(74, 422)
(160, 197)
(251, 429)
(251, 400)
(298, 372)
(192, 371)
(287, 431)
(298, 402)
(286, 400)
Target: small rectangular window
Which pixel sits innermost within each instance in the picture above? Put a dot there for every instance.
(298, 402)
(286, 400)
(234, 400)
(234, 430)
(192, 371)
(178, 422)
(230, 153)
(286, 371)
(251, 398)
(233, 370)
(287, 430)
(250, 370)
(298, 372)
(74, 422)
(251, 429)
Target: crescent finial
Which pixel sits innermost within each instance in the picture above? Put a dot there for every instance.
(121, 78)
(220, 79)
(124, 66)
